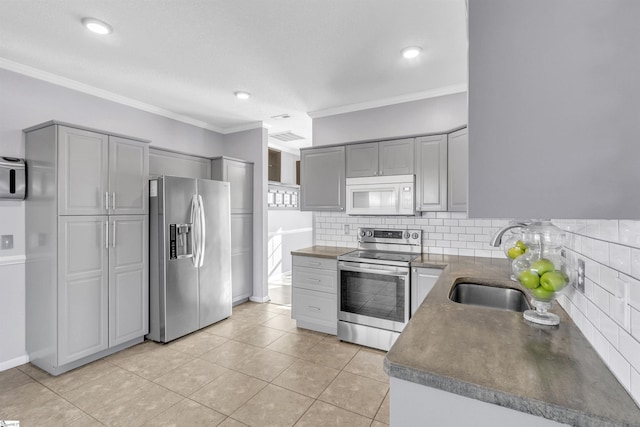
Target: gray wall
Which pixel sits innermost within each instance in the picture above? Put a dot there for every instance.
(288, 167)
(432, 115)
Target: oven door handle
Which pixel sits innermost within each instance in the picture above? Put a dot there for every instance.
(374, 269)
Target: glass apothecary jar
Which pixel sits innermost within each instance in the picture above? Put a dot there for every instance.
(543, 270)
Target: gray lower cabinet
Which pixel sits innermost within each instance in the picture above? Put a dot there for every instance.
(314, 303)
(422, 281)
(431, 173)
(322, 179)
(86, 274)
(458, 170)
(239, 174)
(395, 157)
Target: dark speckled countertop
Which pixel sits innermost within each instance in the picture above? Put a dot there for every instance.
(498, 357)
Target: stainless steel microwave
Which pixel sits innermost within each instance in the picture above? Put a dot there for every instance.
(381, 195)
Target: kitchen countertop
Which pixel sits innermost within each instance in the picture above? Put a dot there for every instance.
(498, 357)
(323, 251)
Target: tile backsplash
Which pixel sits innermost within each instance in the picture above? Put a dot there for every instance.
(608, 313)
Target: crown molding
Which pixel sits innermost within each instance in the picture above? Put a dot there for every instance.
(434, 93)
(104, 94)
(241, 128)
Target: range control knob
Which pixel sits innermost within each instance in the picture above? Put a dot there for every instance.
(407, 234)
(414, 236)
(361, 233)
(369, 233)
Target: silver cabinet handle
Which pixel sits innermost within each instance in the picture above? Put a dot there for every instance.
(313, 263)
(114, 234)
(315, 280)
(106, 200)
(314, 308)
(113, 200)
(106, 235)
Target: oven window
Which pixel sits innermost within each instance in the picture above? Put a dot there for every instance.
(373, 295)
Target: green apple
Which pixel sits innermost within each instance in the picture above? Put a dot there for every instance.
(514, 252)
(521, 245)
(554, 281)
(542, 265)
(529, 279)
(542, 294)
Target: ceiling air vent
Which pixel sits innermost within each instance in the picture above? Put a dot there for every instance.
(286, 136)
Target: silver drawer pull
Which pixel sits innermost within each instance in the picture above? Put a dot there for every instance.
(314, 263)
(314, 280)
(314, 308)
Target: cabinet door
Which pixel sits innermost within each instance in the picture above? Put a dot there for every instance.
(397, 157)
(241, 256)
(362, 160)
(322, 180)
(128, 278)
(431, 179)
(422, 281)
(458, 170)
(128, 176)
(83, 176)
(82, 287)
(240, 175)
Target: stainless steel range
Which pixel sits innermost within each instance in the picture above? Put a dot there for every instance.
(374, 286)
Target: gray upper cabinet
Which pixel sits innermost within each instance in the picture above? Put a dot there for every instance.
(458, 170)
(322, 179)
(100, 174)
(83, 172)
(431, 176)
(240, 174)
(362, 160)
(128, 176)
(554, 102)
(395, 157)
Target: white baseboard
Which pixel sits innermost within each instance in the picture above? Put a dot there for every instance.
(8, 364)
(260, 300)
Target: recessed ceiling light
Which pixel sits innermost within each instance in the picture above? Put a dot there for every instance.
(242, 95)
(411, 52)
(97, 26)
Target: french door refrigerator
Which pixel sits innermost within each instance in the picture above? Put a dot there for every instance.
(189, 255)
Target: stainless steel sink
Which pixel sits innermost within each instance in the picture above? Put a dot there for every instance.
(489, 296)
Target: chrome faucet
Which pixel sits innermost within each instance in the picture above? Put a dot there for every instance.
(496, 240)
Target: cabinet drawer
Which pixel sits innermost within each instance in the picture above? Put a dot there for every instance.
(312, 262)
(314, 279)
(314, 307)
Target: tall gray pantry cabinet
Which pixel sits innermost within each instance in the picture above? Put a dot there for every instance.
(86, 244)
(240, 174)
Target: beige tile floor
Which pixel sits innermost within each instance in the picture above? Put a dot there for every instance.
(254, 369)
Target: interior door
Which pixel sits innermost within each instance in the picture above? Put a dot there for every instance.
(214, 275)
(128, 278)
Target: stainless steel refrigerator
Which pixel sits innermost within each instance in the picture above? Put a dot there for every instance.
(189, 255)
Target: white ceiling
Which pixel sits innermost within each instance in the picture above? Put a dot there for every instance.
(187, 57)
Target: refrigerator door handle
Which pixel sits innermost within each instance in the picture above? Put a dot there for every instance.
(201, 230)
(194, 231)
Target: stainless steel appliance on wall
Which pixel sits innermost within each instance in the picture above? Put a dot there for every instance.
(374, 286)
(190, 255)
(381, 195)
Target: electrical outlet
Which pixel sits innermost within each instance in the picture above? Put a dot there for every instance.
(581, 273)
(7, 241)
(346, 229)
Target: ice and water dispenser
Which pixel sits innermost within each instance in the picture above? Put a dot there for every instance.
(180, 241)
(13, 179)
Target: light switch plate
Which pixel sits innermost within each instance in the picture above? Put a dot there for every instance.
(581, 273)
(7, 241)
(346, 229)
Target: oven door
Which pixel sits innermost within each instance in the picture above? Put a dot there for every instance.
(373, 295)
